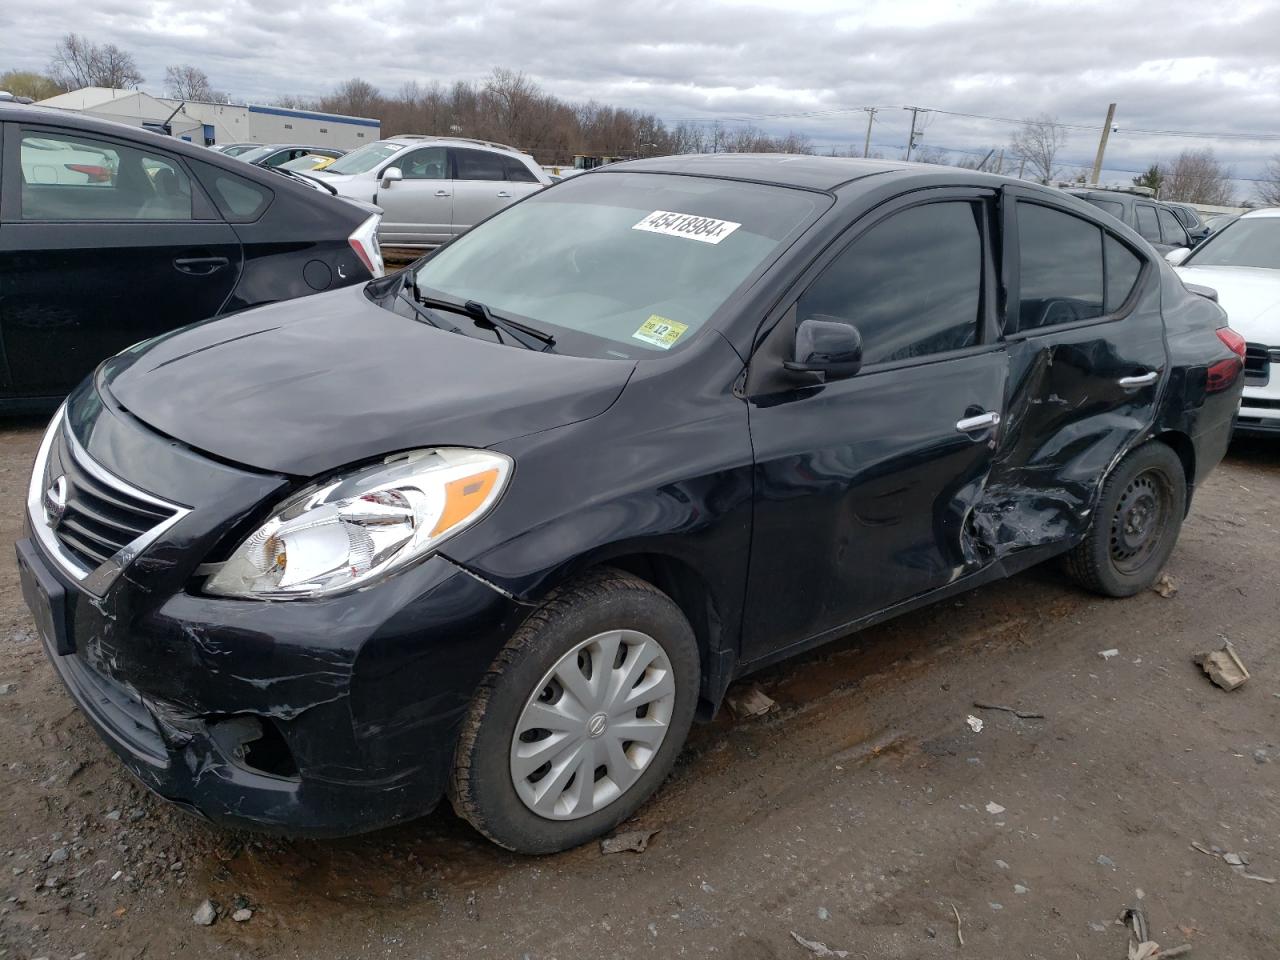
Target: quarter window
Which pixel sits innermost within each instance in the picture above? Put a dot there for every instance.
(1123, 267)
(1148, 225)
(517, 172)
(74, 178)
(912, 284)
(1060, 267)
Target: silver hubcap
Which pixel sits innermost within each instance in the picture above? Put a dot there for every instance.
(593, 725)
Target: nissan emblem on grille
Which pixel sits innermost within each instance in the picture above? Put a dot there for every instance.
(55, 501)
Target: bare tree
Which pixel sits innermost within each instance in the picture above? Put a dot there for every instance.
(185, 82)
(1037, 145)
(355, 97)
(78, 62)
(1269, 188)
(1196, 176)
(28, 83)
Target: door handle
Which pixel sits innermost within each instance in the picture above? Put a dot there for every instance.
(199, 266)
(443, 193)
(504, 193)
(982, 421)
(1142, 380)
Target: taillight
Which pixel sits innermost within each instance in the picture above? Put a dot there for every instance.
(365, 244)
(1234, 342)
(95, 173)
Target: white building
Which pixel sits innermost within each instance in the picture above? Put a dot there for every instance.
(213, 123)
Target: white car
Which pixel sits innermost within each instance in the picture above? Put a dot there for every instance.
(431, 189)
(50, 161)
(1242, 262)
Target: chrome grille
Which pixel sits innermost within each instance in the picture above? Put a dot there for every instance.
(90, 521)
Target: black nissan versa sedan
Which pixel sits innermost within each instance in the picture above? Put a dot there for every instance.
(110, 234)
(498, 526)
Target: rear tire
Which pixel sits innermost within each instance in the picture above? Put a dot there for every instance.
(542, 762)
(1135, 526)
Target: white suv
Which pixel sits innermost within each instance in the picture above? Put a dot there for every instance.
(431, 189)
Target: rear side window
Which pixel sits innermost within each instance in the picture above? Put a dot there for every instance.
(1060, 267)
(68, 177)
(1174, 232)
(1148, 225)
(1113, 207)
(1123, 267)
(479, 165)
(238, 199)
(912, 284)
(517, 172)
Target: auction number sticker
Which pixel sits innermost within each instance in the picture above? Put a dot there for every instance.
(660, 331)
(687, 225)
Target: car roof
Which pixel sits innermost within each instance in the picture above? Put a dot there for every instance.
(411, 139)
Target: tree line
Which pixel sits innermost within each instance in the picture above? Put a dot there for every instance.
(509, 107)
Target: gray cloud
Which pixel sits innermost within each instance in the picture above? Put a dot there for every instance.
(1183, 65)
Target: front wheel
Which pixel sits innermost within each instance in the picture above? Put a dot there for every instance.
(580, 718)
(1135, 526)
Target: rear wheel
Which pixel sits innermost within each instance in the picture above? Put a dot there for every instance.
(1135, 526)
(580, 718)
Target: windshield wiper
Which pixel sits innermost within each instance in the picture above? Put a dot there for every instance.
(409, 294)
(523, 334)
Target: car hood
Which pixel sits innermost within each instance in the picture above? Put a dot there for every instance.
(1250, 295)
(309, 385)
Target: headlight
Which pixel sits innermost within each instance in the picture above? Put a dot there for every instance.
(356, 528)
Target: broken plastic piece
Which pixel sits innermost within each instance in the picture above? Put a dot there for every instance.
(1165, 586)
(1223, 667)
(751, 702)
(635, 841)
(816, 948)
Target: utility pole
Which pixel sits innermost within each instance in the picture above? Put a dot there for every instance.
(871, 116)
(1000, 162)
(911, 140)
(1102, 144)
(983, 165)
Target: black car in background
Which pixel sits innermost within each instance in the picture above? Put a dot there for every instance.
(638, 435)
(110, 235)
(1155, 222)
(1189, 216)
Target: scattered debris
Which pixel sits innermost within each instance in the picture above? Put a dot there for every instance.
(1197, 845)
(816, 948)
(994, 808)
(7, 688)
(59, 855)
(205, 914)
(748, 703)
(1178, 951)
(113, 815)
(959, 932)
(824, 913)
(1002, 865)
(1019, 888)
(635, 841)
(1254, 876)
(1223, 666)
(241, 915)
(974, 723)
(1108, 654)
(1017, 713)
(1261, 756)
(1105, 861)
(1234, 860)
(1165, 586)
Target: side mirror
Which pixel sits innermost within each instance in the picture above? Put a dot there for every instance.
(390, 176)
(1176, 257)
(827, 345)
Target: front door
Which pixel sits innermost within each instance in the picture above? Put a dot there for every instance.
(864, 486)
(418, 210)
(102, 244)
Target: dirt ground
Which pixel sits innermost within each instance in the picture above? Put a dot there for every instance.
(863, 814)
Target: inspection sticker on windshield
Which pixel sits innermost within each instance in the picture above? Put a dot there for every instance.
(706, 229)
(660, 331)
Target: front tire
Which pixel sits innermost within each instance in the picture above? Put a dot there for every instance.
(1135, 526)
(580, 718)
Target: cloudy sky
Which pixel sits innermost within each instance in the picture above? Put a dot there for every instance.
(1189, 66)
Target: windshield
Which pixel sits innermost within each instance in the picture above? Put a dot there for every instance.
(254, 154)
(363, 159)
(640, 261)
(1248, 242)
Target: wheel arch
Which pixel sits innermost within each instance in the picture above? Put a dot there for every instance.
(1181, 444)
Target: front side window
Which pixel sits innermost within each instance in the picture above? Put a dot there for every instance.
(431, 163)
(1059, 267)
(364, 159)
(622, 264)
(66, 177)
(479, 165)
(1148, 223)
(1174, 232)
(912, 284)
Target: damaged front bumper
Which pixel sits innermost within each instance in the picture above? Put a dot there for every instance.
(325, 718)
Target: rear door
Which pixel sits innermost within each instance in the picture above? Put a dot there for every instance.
(419, 208)
(1087, 363)
(864, 485)
(103, 242)
(1147, 219)
(485, 182)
